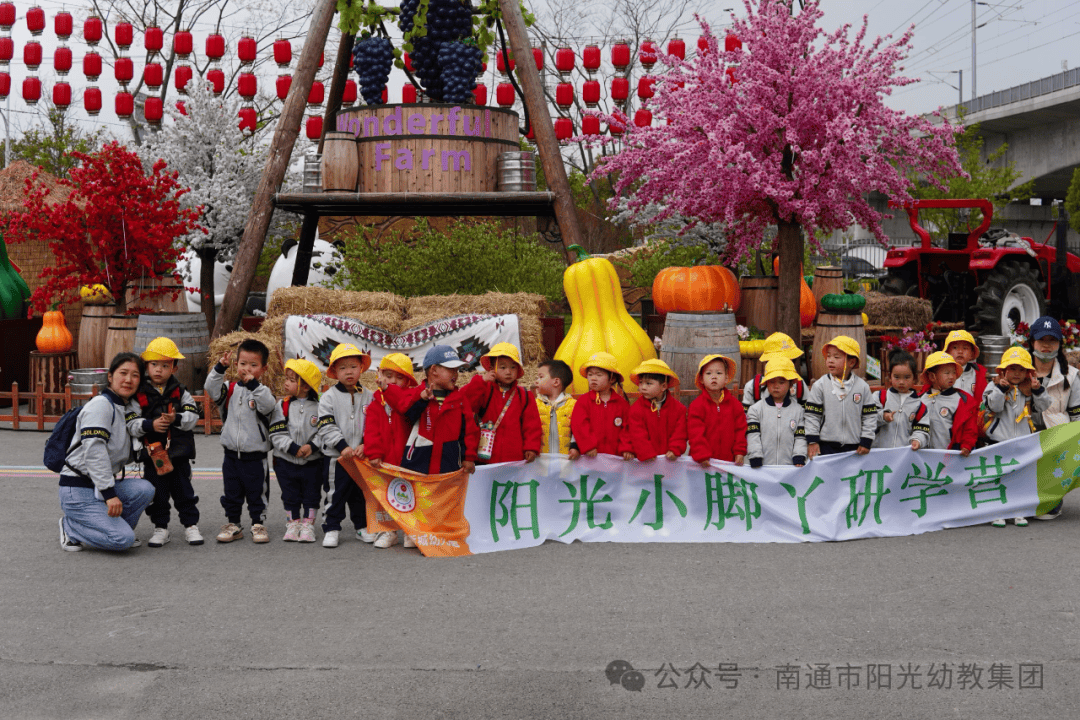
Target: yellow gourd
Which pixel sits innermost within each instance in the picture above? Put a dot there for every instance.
(600, 321)
(95, 294)
(54, 337)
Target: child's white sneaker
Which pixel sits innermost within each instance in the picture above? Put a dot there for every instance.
(1020, 522)
(410, 541)
(368, 537)
(330, 539)
(1000, 522)
(386, 539)
(307, 530)
(292, 531)
(192, 535)
(159, 538)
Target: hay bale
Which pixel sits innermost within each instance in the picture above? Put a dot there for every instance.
(897, 310)
(327, 301)
(274, 376)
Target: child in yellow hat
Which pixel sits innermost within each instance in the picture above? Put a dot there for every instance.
(298, 461)
(775, 434)
(947, 418)
(841, 414)
(973, 377)
(599, 418)
(657, 422)
(716, 421)
(169, 418)
(508, 418)
(777, 345)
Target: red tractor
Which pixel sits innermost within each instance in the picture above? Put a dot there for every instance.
(990, 280)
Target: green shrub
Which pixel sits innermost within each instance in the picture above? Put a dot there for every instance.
(645, 266)
(469, 259)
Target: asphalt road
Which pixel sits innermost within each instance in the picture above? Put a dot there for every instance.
(283, 630)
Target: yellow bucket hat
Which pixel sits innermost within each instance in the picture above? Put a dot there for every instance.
(306, 371)
(937, 359)
(506, 350)
(728, 363)
(655, 367)
(848, 346)
(780, 367)
(1016, 356)
(399, 363)
(345, 350)
(960, 336)
(602, 360)
(161, 348)
(779, 345)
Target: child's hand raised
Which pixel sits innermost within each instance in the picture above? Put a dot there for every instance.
(1001, 380)
(427, 394)
(1035, 384)
(226, 359)
(489, 376)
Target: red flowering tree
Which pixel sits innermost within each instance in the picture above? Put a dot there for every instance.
(789, 129)
(117, 226)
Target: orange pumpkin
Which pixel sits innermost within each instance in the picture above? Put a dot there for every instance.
(54, 337)
(703, 288)
(807, 303)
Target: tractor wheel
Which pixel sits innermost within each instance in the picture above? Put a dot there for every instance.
(896, 284)
(1012, 293)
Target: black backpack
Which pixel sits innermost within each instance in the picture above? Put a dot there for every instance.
(56, 447)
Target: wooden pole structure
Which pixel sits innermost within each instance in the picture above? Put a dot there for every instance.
(546, 142)
(281, 147)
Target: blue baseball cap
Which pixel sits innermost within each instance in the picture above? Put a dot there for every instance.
(443, 355)
(1044, 326)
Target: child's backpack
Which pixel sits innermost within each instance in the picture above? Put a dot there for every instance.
(56, 447)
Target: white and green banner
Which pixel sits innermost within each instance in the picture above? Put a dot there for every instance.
(839, 497)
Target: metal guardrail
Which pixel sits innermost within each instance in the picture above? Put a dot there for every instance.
(1019, 93)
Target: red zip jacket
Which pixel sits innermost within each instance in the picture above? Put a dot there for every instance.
(519, 430)
(599, 425)
(653, 433)
(385, 431)
(447, 432)
(716, 429)
(965, 426)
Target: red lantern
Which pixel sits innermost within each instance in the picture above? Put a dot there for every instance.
(538, 56)
(620, 55)
(590, 93)
(247, 85)
(216, 76)
(124, 70)
(153, 110)
(314, 127)
(153, 75)
(284, 82)
(590, 124)
(91, 65)
(500, 61)
(590, 58)
(479, 94)
(35, 21)
(348, 94)
(5, 84)
(248, 119)
(181, 78)
(318, 91)
(384, 95)
(7, 49)
(91, 32)
(32, 54)
(182, 43)
(730, 72)
(620, 89)
(703, 45)
(648, 54)
(62, 60)
(7, 15)
(564, 95)
(92, 100)
(643, 117)
(617, 124)
(564, 61)
(124, 34)
(153, 40)
(64, 24)
(564, 128)
(322, 57)
(408, 63)
(732, 43)
(645, 87)
(504, 94)
(408, 94)
(677, 48)
(282, 52)
(215, 46)
(125, 104)
(247, 49)
(181, 107)
(531, 135)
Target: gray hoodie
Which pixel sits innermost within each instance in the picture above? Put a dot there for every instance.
(775, 434)
(301, 427)
(102, 446)
(1008, 406)
(341, 418)
(246, 419)
(845, 414)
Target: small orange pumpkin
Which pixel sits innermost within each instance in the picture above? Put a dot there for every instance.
(54, 337)
(703, 288)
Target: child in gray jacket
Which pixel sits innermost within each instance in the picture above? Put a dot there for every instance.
(774, 424)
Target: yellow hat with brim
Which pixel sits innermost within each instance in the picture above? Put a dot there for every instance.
(399, 363)
(848, 346)
(602, 360)
(1016, 356)
(655, 367)
(306, 371)
(779, 345)
(161, 348)
(345, 350)
(506, 350)
(728, 363)
(937, 359)
(960, 336)
(780, 367)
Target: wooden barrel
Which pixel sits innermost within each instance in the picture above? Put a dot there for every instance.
(429, 148)
(49, 371)
(165, 303)
(760, 296)
(827, 279)
(188, 331)
(340, 162)
(92, 330)
(828, 326)
(688, 337)
(120, 337)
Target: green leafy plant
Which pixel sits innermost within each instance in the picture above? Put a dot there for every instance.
(355, 14)
(644, 266)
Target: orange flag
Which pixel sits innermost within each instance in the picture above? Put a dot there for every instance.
(429, 507)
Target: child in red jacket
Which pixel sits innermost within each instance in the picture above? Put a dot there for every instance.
(972, 379)
(657, 423)
(509, 420)
(599, 417)
(948, 418)
(385, 430)
(716, 423)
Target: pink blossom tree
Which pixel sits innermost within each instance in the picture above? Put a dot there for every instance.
(790, 129)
